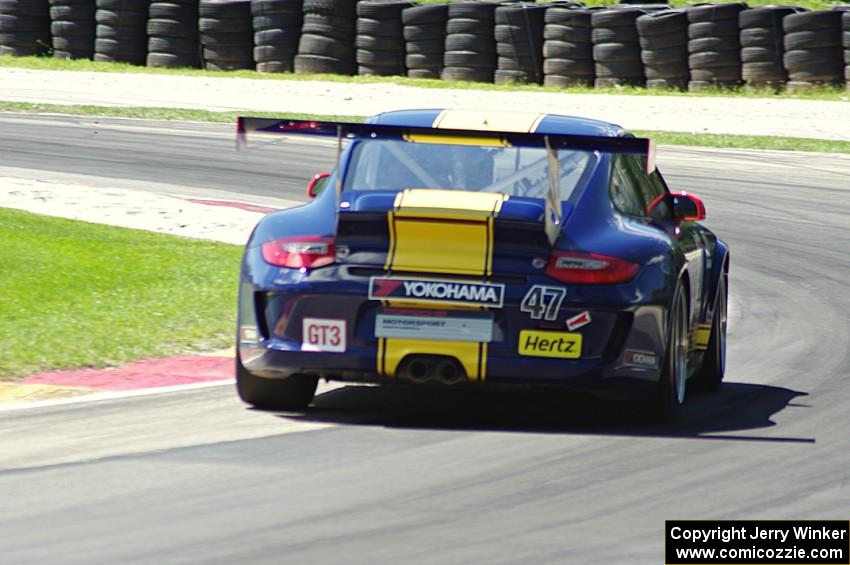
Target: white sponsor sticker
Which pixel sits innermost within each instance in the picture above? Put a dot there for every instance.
(442, 328)
(578, 321)
(320, 334)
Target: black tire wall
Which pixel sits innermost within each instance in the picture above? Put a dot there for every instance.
(425, 37)
(470, 53)
(616, 49)
(121, 33)
(327, 37)
(72, 26)
(519, 43)
(664, 48)
(380, 38)
(24, 27)
(567, 47)
(173, 34)
(226, 34)
(813, 49)
(277, 29)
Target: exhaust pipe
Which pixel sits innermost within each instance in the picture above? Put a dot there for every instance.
(421, 369)
(447, 371)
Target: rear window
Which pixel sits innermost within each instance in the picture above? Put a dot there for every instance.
(386, 164)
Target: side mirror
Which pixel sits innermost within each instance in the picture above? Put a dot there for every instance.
(317, 184)
(687, 208)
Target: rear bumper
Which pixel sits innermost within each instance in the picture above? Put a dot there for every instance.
(622, 353)
(280, 359)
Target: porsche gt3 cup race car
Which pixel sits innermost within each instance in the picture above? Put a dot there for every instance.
(462, 247)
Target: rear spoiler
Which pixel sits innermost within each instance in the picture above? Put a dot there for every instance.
(551, 142)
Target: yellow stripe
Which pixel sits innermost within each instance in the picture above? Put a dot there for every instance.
(520, 122)
(391, 247)
(488, 265)
(443, 231)
(466, 352)
(700, 336)
(429, 200)
(477, 140)
(427, 245)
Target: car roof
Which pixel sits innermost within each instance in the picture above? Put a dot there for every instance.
(531, 122)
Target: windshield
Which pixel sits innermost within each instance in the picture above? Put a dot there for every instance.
(386, 164)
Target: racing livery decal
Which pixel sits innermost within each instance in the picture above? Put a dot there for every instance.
(543, 302)
(578, 321)
(321, 334)
(440, 291)
(640, 358)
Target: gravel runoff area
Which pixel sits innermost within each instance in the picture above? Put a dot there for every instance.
(728, 115)
(216, 220)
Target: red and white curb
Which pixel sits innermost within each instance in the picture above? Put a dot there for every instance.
(148, 376)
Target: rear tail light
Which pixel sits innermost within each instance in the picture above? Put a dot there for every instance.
(299, 252)
(589, 268)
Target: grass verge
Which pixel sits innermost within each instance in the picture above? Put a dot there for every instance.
(51, 64)
(75, 294)
(661, 137)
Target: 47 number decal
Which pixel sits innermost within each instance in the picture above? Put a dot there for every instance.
(543, 302)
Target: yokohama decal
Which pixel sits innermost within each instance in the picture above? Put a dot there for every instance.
(425, 290)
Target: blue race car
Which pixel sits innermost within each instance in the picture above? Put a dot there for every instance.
(464, 247)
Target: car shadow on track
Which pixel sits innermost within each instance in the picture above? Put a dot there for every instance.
(736, 407)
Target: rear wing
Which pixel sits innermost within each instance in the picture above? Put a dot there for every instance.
(551, 142)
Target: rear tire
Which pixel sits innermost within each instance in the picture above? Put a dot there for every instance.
(291, 393)
(710, 375)
(674, 375)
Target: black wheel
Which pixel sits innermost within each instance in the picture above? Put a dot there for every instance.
(713, 367)
(674, 374)
(292, 393)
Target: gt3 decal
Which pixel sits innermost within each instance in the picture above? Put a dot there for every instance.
(562, 345)
(320, 334)
(437, 291)
(543, 302)
(578, 321)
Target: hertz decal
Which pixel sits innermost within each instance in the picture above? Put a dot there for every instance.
(448, 232)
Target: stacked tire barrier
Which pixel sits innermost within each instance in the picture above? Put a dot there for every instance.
(762, 47)
(120, 34)
(616, 49)
(664, 48)
(173, 34)
(845, 24)
(470, 42)
(567, 47)
(327, 37)
(24, 27)
(277, 28)
(73, 28)
(425, 36)
(380, 38)
(714, 45)
(561, 43)
(813, 51)
(226, 34)
(519, 43)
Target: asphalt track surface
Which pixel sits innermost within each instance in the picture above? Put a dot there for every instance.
(373, 475)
